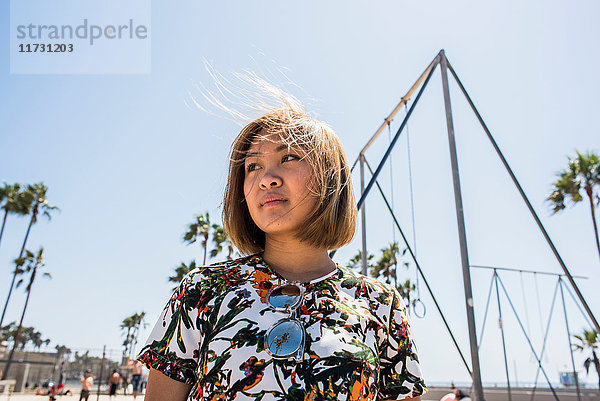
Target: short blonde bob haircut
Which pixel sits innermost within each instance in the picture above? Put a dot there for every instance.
(333, 221)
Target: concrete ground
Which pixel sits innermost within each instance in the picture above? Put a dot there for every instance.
(491, 394)
(74, 397)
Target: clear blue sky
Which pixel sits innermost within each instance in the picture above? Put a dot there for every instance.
(130, 164)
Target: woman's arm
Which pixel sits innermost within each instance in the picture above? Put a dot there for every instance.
(163, 388)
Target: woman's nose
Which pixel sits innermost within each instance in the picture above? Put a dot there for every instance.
(270, 180)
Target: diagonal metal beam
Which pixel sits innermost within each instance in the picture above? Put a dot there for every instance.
(526, 200)
(414, 258)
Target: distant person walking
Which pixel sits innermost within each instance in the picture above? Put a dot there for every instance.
(87, 381)
(113, 382)
(136, 376)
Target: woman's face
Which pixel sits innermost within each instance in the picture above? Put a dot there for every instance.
(276, 186)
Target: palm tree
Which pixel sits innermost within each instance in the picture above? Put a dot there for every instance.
(32, 264)
(406, 289)
(131, 327)
(26, 336)
(62, 350)
(581, 175)
(387, 265)
(588, 341)
(81, 361)
(386, 261)
(127, 326)
(180, 272)
(219, 238)
(5, 331)
(199, 228)
(138, 321)
(356, 261)
(39, 204)
(36, 339)
(15, 201)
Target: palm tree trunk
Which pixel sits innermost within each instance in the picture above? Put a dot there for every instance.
(18, 333)
(127, 342)
(3, 223)
(596, 365)
(205, 248)
(135, 338)
(12, 283)
(590, 195)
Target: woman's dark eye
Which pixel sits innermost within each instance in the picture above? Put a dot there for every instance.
(287, 158)
(251, 167)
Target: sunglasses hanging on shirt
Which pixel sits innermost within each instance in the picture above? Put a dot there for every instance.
(285, 338)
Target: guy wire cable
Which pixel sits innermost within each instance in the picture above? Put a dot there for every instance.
(412, 208)
(524, 302)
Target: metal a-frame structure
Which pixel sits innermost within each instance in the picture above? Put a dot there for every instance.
(421, 83)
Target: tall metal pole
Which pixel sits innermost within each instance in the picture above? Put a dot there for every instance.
(501, 324)
(363, 215)
(462, 236)
(101, 373)
(562, 295)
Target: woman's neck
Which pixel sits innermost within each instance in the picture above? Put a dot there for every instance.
(296, 261)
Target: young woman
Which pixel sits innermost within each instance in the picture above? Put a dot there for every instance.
(286, 322)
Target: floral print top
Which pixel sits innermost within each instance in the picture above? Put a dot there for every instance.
(211, 335)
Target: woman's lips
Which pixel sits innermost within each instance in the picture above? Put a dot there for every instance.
(273, 203)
